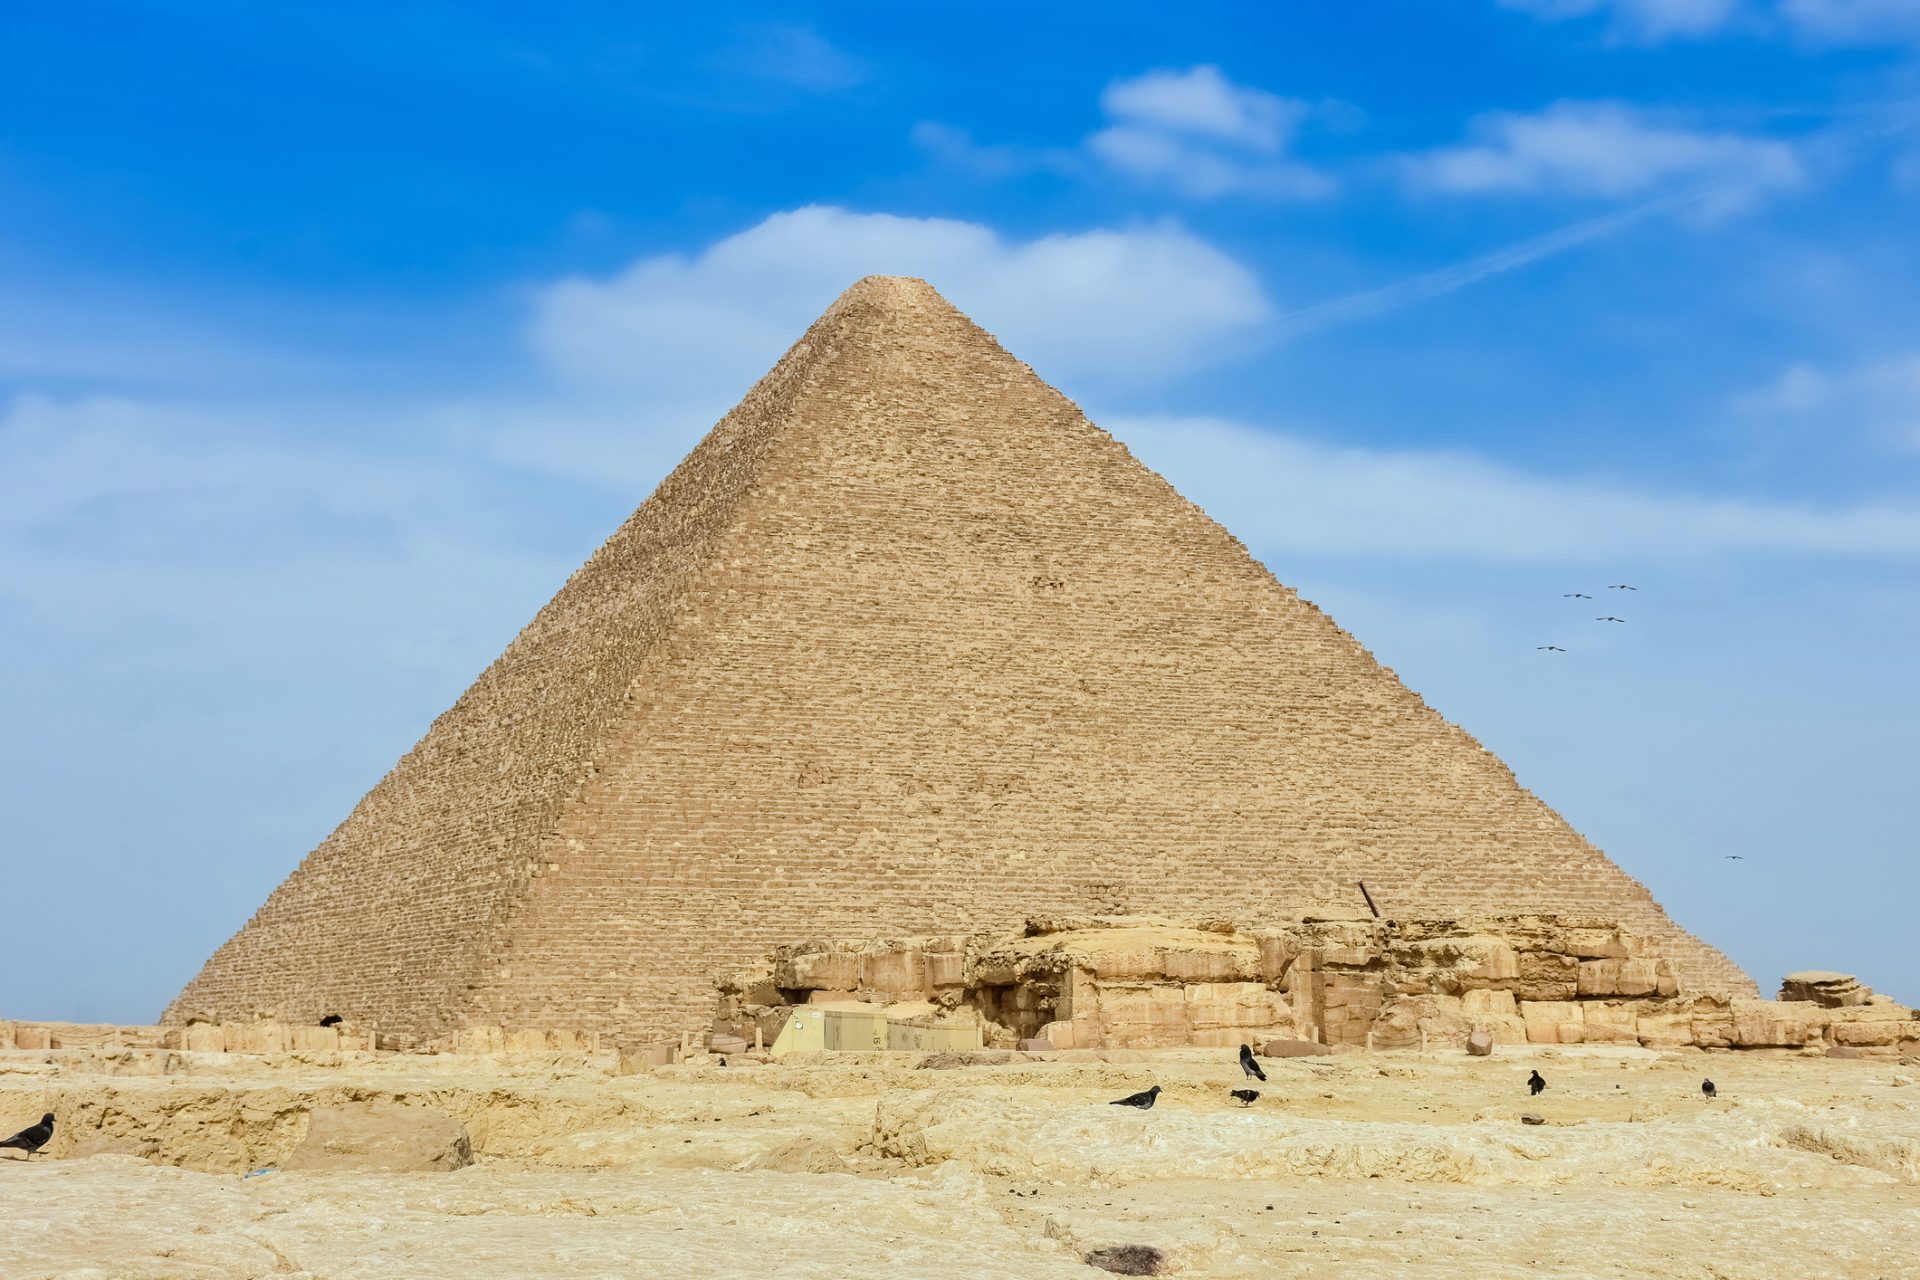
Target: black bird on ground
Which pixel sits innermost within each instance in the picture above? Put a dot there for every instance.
(1706, 1087)
(1575, 595)
(33, 1137)
(1552, 647)
(1245, 1097)
(1144, 1101)
(331, 1020)
(1248, 1065)
(1535, 1083)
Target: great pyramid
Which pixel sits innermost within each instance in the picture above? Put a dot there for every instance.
(906, 644)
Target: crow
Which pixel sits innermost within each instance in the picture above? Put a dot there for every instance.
(1621, 586)
(1706, 1087)
(1144, 1101)
(1553, 648)
(1245, 1097)
(1575, 595)
(1535, 1083)
(1248, 1065)
(33, 1137)
(1609, 618)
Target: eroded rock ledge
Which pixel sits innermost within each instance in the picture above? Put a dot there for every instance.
(1135, 982)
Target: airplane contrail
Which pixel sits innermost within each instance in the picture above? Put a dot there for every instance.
(1834, 144)
(1432, 284)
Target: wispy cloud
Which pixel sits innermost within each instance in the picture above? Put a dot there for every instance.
(1602, 149)
(992, 161)
(1643, 20)
(1285, 493)
(1854, 21)
(1827, 22)
(1879, 399)
(793, 53)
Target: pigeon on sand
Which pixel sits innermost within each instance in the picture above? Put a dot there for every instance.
(1144, 1101)
(33, 1137)
(1707, 1089)
(1245, 1097)
(1248, 1065)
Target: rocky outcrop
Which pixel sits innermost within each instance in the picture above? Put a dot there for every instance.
(1825, 988)
(1137, 982)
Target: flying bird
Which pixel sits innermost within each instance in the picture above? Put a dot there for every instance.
(1552, 648)
(1245, 1097)
(1144, 1101)
(1734, 857)
(1575, 595)
(1609, 618)
(1706, 1087)
(1535, 1083)
(33, 1137)
(1248, 1065)
(1621, 586)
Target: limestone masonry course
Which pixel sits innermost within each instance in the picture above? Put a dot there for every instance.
(905, 644)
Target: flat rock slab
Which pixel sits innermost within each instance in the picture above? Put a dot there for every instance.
(378, 1136)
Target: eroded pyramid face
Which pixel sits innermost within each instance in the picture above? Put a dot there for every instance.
(906, 644)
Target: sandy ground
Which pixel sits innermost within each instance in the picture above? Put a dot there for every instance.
(1402, 1164)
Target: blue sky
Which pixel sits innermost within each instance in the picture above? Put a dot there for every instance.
(332, 338)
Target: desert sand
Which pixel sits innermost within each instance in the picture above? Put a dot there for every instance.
(1401, 1163)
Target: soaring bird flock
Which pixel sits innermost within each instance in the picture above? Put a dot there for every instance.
(1582, 595)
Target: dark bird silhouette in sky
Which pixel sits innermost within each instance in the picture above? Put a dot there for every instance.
(1706, 1087)
(1621, 586)
(1248, 1065)
(1144, 1100)
(1575, 595)
(1734, 857)
(1609, 618)
(1554, 648)
(33, 1137)
(1245, 1097)
(1535, 1083)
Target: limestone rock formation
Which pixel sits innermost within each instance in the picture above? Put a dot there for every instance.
(1136, 982)
(1825, 988)
(906, 642)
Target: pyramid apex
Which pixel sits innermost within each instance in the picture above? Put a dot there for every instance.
(892, 291)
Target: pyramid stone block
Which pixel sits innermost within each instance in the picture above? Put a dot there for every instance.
(905, 645)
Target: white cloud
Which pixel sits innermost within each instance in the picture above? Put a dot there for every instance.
(1203, 135)
(1879, 399)
(1603, 149)
(1101, 307)
(1649, 20)
(1192, 131)
(1286, 495)
(1202, 102)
